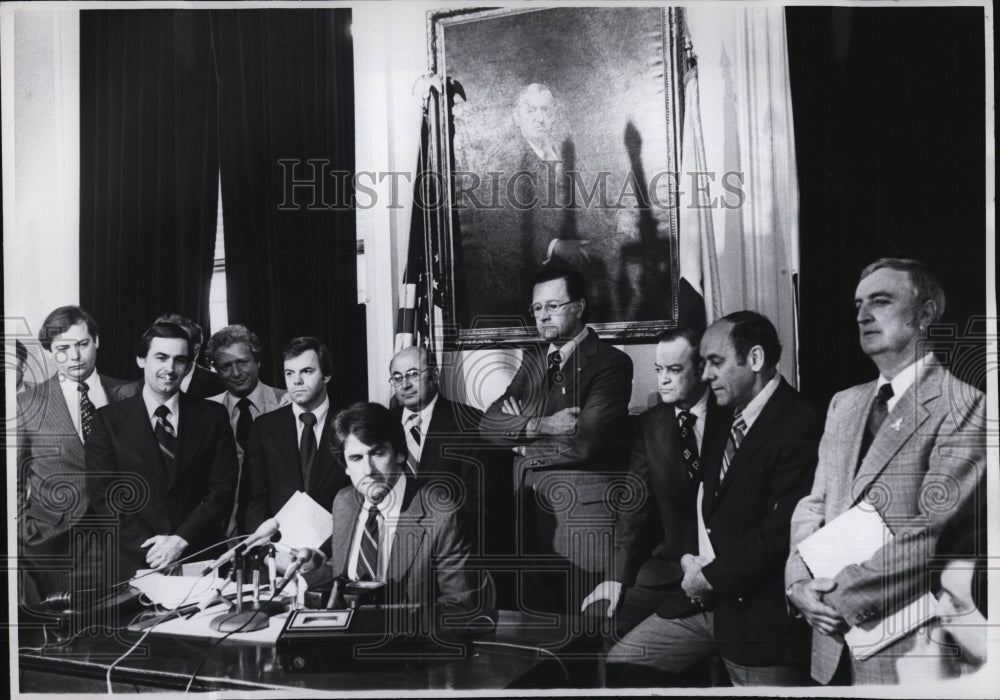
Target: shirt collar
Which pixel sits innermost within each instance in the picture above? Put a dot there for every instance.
(91, 381)
(752, 411)
(425, 413)
(905, 378)
(392, 504)
(256, 397)
(152, 402)
(320, 411)
(568, 347)
(700, 409)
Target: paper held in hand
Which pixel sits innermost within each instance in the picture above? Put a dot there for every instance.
(852, 538)
(304, 522)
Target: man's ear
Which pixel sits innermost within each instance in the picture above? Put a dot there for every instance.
(141, 361)
(400, 457)
(926, 314)
(97, 341)
(327, 378)
(756, 358)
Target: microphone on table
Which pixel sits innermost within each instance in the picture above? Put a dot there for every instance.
(268, 530)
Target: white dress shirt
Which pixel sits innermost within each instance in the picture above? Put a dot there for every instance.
(71, 392)
(152, 403)
(389, 510)
(320, 414)
(425, 420)
(904, 380)
(567, 348)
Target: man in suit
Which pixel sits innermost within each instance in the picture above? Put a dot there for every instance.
(198, 383)
(55, 418)
(161, 463)
(565, 414)
(235, 353)
(755, 466)
(388, 527)
(915, 432)
(665, 463)
(289, 448)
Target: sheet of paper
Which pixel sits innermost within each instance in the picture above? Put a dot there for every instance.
(304, 522)
(173, 591)
(850, 538)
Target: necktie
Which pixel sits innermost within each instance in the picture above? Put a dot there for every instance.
(166, 437)
(413, 422)
(736, 434)
(87, 409)
(876, 417)
(689, 444)
(553, 375)
(307, 447)
(243, 422)
(367, 568)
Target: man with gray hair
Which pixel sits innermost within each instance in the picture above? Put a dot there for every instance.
(911, 445)
(235, 353)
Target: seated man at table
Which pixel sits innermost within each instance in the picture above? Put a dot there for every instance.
(389, 528)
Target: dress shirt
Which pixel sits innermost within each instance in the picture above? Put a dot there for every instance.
(320, 414)
(425, 420)
(71, 392)
(567, 348)
(389, 509)
(902, 381)
(186, 379)
(152, 403)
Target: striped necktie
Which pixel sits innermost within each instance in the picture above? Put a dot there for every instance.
(367, 568)
(166, 437)
(413, 423)
(736, 434)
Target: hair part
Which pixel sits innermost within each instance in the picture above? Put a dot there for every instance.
(926, 286)
(61, 320)
(750, 329)
(371, 423)
(297, 346)
(231, 335)
(162, 330)
(194, 332)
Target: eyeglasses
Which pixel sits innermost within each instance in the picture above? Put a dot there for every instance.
(411, 374)
(551, 307)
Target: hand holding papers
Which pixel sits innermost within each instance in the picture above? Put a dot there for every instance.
(853, 538)
(304, 522)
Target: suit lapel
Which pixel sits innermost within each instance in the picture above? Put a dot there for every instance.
(57, 411)
(324, 457)
(345, 520)
(288, 444)
(903, 421)
(713, 445)
(191, 432)
(442, 425)
(563, 395)
(409, 534)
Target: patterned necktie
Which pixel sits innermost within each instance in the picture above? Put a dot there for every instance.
(736, 434)
(307, 447)
(689, 444)
(876, 417)
(412, 460)
(243, 422)
(367, 568)
(87, 409)
(166, 437)
(553, 375)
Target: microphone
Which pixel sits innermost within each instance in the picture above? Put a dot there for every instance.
(268, 530)
(305, 559)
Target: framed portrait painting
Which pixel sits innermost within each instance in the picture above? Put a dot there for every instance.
(559, 137)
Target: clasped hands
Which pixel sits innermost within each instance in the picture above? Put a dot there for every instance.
(695, 585)
(807, 596)
(164, 549)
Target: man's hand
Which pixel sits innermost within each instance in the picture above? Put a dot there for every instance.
(561, 422)
(511, 406)
(695, 585)
(610, 591)
(807, 596)
(164, 549)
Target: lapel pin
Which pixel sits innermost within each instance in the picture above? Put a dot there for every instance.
(899, 422)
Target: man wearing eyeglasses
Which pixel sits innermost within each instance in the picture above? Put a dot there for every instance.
(565, 416)
(442, 436)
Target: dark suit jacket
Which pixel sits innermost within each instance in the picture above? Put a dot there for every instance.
(597, 378)
(272, 463)
(454, 453)
(126, 479)
(52, 468)
(427, 562)
(748, 524)
(669, 500)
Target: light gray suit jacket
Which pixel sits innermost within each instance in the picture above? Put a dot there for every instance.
(923, 466)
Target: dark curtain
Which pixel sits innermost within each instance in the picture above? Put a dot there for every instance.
(889, 131)
(286, 112)
(148, 173)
